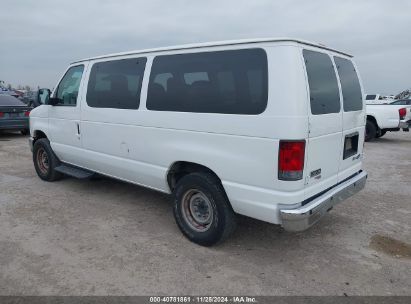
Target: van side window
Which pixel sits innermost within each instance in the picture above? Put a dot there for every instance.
(370, 97)
(162, 79)
(350, 85)
(116, 84)
(227, 82)
(324, 92)
(67, 90)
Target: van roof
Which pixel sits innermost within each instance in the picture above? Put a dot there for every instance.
(215, 43)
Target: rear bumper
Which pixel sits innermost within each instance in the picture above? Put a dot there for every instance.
(303, 217)
(405, 124)
(14, 124)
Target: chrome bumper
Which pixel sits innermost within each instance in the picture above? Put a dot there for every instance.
(303, 217)
(404, 124)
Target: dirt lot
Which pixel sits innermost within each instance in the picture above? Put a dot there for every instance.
(103, 237)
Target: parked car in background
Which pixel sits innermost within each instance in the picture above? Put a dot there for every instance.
(382, 118)
(5, 91)
(376, 99)
(272, 129)
(403, 102)
(14, 114)
(32, 99)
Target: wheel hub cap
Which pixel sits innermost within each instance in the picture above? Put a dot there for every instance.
(42, 161)
(197, 210)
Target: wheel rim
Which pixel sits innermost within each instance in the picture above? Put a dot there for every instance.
(42, 161)
(197, 210)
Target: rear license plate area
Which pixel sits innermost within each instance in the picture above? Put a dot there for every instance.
(350, 145)
(14, 115)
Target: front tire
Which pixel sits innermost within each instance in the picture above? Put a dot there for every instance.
(45, 161)
(370, 130)
(202, 210)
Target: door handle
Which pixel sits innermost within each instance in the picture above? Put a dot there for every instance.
(78, 129)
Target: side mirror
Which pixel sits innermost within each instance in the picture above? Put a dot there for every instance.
(43, 96)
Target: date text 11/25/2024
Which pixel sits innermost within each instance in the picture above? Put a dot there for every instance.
(203, 299)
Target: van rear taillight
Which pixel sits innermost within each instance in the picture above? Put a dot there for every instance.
(402, 113)
(1, 114)
(291, 160)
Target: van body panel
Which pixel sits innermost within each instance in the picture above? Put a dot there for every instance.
(258, 203)
(141, 145)
(229, 139)
(324, 140)
(353, 123)
(40, 121)
(64, 120)
(326, 164)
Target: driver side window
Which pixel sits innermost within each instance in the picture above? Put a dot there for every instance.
(67, 90)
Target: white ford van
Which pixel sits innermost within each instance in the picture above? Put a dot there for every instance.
(271, 128)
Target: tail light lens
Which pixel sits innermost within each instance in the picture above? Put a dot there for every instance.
(1, 114)
(402, 113)
(27, 113)
(291, 160)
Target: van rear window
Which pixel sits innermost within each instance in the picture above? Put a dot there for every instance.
(116, 84)
(370, 97)
(350, 85)
(227, 82)
(324, 92)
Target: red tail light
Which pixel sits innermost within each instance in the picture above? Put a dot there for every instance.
(1, 114)
(27, 113)
(402, 113)
(291, 160)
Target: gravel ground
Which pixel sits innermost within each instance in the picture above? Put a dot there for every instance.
(100, 237)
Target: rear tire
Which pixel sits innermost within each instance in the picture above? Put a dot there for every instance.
(45, 161)
(381, 133)
(202, 210)
(370, 130)
(25, 131)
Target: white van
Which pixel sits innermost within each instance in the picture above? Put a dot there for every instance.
(272, 129)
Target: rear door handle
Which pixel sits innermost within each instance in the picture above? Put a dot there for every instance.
(78, 129)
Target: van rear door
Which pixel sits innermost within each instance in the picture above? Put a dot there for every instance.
(353, 118)
(324, 146)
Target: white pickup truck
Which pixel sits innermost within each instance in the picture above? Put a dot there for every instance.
(386, 117)
(375, 99)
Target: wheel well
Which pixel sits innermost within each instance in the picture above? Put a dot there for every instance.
(182, 168)
(372, 119)
(38, 134)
